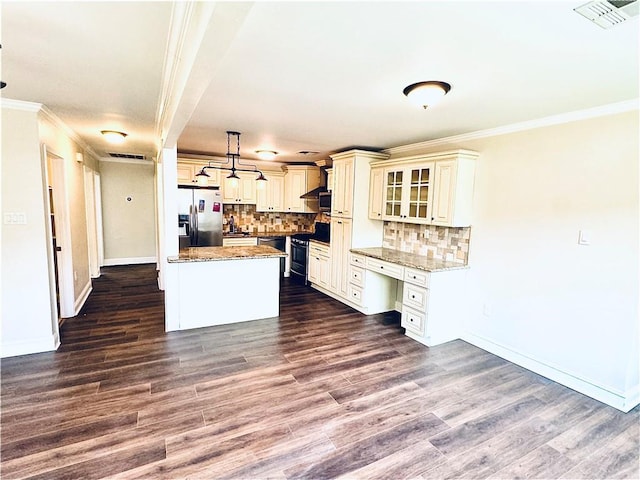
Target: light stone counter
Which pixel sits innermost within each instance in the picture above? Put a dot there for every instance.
(209, 254)
(411, 260)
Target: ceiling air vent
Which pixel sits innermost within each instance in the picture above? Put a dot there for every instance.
(130, 156)
(611, 13)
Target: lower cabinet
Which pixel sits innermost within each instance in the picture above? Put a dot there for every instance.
(319, 264)
(240, 242)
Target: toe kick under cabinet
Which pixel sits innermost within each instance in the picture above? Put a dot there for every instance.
(431, 303)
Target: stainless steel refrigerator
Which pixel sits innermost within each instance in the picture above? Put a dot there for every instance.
(199, 216)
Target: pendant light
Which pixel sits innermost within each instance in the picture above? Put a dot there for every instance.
(232, 157)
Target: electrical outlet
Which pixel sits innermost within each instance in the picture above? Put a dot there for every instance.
(584, 237)
(486, 310)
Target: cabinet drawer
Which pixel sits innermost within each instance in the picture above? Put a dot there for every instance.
(355, 294)
(413, 321)
(417, 277)
(386, 268)
(415, 297)
(318, 249)
(357, 260)
(356, 275)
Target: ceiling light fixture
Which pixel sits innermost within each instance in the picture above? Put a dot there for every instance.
(113, 136)
(267, 155)
(232, 157)
(426, 94)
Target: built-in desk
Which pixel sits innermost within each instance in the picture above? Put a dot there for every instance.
(430, 293)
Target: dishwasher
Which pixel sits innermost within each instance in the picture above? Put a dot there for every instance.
(278, 243)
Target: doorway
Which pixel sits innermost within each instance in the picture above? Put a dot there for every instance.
(59, 233)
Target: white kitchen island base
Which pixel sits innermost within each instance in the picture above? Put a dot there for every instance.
(222, 291)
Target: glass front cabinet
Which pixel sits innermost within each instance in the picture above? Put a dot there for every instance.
(408, 193)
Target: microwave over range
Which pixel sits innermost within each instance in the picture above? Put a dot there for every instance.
(324, 201)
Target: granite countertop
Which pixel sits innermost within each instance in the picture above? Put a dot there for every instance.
(210, 254)
(411, 260)
(260, 234)
(328, 244)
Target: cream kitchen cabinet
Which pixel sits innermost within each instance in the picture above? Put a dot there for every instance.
(270, 197)
(319, 264)
(329, 179)
(243, 192)
(300, 179)
(407, 193)
(340, 245)
(187, 174)
(376, 188)
(239, 241)
(342, 194)
(352, 227)
(434, 189)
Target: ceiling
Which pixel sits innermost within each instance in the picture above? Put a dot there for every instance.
(314, 76)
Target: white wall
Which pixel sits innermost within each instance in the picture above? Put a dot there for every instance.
(129, 226)
(567, 311)
(28, 323)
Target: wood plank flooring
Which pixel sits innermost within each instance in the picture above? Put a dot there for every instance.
(319, 392)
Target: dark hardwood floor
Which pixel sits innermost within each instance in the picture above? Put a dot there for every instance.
(319, 392)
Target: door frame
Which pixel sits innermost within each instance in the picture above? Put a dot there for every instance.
(63, 235)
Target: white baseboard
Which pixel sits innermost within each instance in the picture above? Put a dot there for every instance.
(79, 303)
(26, 347)
(623, 401)
(111, 262)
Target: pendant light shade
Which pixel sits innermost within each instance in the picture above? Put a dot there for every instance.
(426, 94)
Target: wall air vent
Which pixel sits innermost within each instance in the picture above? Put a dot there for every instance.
(607, 14)
(129, 156)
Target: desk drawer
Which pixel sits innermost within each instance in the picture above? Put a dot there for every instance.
(355, 294)
(385, 268)
(413, 321)
(356, 275)
(416, 297)
(416, 277)
(357, 260)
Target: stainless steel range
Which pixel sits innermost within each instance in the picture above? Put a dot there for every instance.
(300, 250)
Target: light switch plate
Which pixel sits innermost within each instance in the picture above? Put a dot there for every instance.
(15, 218)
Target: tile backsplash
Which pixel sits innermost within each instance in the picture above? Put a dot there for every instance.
(446, 243)
(248, 220)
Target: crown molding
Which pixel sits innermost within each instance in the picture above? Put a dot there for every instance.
(601, 111)
(53, 118)
(20, 105)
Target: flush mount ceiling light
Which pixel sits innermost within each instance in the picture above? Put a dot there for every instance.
(426, 94)
(232, 157)
(266, 154)
(113, 136)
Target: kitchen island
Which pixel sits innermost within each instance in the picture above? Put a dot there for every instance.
(221, 285)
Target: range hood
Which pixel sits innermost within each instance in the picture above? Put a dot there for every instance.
(313, 194)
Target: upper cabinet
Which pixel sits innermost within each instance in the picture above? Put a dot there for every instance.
(342, 194)
(270, 196)
(187, 174)
(299, 180)
(434, 189)
(240, 191)
(376, 186)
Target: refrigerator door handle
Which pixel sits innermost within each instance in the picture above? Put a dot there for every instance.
(191, 226)
(195, 221)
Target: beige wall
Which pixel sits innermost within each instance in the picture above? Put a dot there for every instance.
(28, 324)
(129, 226)
(537, 296)
(58, 142)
